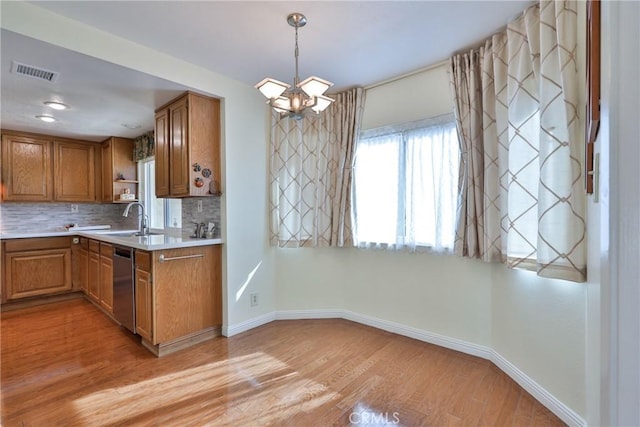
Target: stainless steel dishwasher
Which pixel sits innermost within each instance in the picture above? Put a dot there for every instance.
(123, 287)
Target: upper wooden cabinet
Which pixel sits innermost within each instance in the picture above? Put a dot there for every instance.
(118, 163)
(26, 168)
(74, 167)
(39, 168)
(187, 139)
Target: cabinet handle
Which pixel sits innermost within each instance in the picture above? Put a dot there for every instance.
(162, 258)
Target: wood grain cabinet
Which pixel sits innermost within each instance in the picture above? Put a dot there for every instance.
(81, 264)
(26, 168)
(117, 162)
(187, 133)
(36, 267)
(39, 168)
(106, 277)
(144, 296)
(93, 274)
(178, 296)
(74, 167)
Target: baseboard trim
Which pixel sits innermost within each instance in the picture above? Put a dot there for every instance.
(563, 412)
(419, 334)
(231, 330)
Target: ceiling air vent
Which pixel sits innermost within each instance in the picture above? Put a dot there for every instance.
(34, 72)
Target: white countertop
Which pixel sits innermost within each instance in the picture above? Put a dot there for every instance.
(148, 243)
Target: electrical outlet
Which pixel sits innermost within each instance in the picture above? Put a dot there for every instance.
(199, 205)
(254, 299)
(74, 208)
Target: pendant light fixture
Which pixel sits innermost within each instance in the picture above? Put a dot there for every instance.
(304, 96)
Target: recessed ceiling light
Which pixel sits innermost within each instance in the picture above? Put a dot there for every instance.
(56, 105)
(47, 119)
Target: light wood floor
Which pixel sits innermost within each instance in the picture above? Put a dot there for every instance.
(67, 364)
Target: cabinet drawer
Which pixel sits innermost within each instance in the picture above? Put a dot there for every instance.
(106, 249)
(143, 260)
(94, 246)
(17, 245)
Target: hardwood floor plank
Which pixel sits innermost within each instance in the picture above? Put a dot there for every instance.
(67, 364)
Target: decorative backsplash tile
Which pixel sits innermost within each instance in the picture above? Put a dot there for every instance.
(24, 217)
(210, 212)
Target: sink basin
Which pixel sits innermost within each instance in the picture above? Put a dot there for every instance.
(130, 234)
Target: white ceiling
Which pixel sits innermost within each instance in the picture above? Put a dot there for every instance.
(354, 43)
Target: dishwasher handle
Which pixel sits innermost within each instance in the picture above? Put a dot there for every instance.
(123, 252)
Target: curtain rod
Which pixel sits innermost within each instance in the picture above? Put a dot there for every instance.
(409, 74)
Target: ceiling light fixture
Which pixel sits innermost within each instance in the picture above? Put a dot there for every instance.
(304, 96)
(56, 105)
(47, 119)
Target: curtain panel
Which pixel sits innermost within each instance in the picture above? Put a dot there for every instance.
(516, 103)
(310, 173)
(144, 146)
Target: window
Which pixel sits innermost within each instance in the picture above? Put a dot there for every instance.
(406, 186)
(161, 212)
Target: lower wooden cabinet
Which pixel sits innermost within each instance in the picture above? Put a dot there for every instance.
(36, 267)
(106, 277)
(93, 279)
(144, 296)
(178, 294)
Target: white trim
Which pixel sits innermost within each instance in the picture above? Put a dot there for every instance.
(547, 399)
(229, 331)
(561, 410)
(419, 334)
(309, 314)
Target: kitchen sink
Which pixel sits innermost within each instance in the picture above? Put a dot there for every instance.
(131, 234)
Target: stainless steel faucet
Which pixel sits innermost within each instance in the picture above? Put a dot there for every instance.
(143, 228)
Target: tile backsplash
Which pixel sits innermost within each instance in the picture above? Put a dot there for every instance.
(24, 217)
(210, 212)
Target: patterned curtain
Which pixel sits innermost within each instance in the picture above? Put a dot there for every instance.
(144, 146)
(311, 168)
(516, 102)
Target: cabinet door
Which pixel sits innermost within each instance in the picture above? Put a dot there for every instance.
(83, 267)
(144, 305)
(74, 172)
(37, 272)
(94, 276)
(26, 169)
(107, 172)
(179, 167)
(162, 153)
(106, 283)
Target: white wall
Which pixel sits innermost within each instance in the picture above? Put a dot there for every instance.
(247, 257)
(418, 96)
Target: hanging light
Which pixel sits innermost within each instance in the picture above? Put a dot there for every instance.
(305, 95)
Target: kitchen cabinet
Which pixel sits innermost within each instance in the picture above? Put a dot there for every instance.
(36, 267)
(81, 264)
(93, 277)
(106, 277)
(40, 168)
(143, 296)
(74, 170)
(119, 171)
(26, 168)
(100, 274)
(187, 138)
(178, 295)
